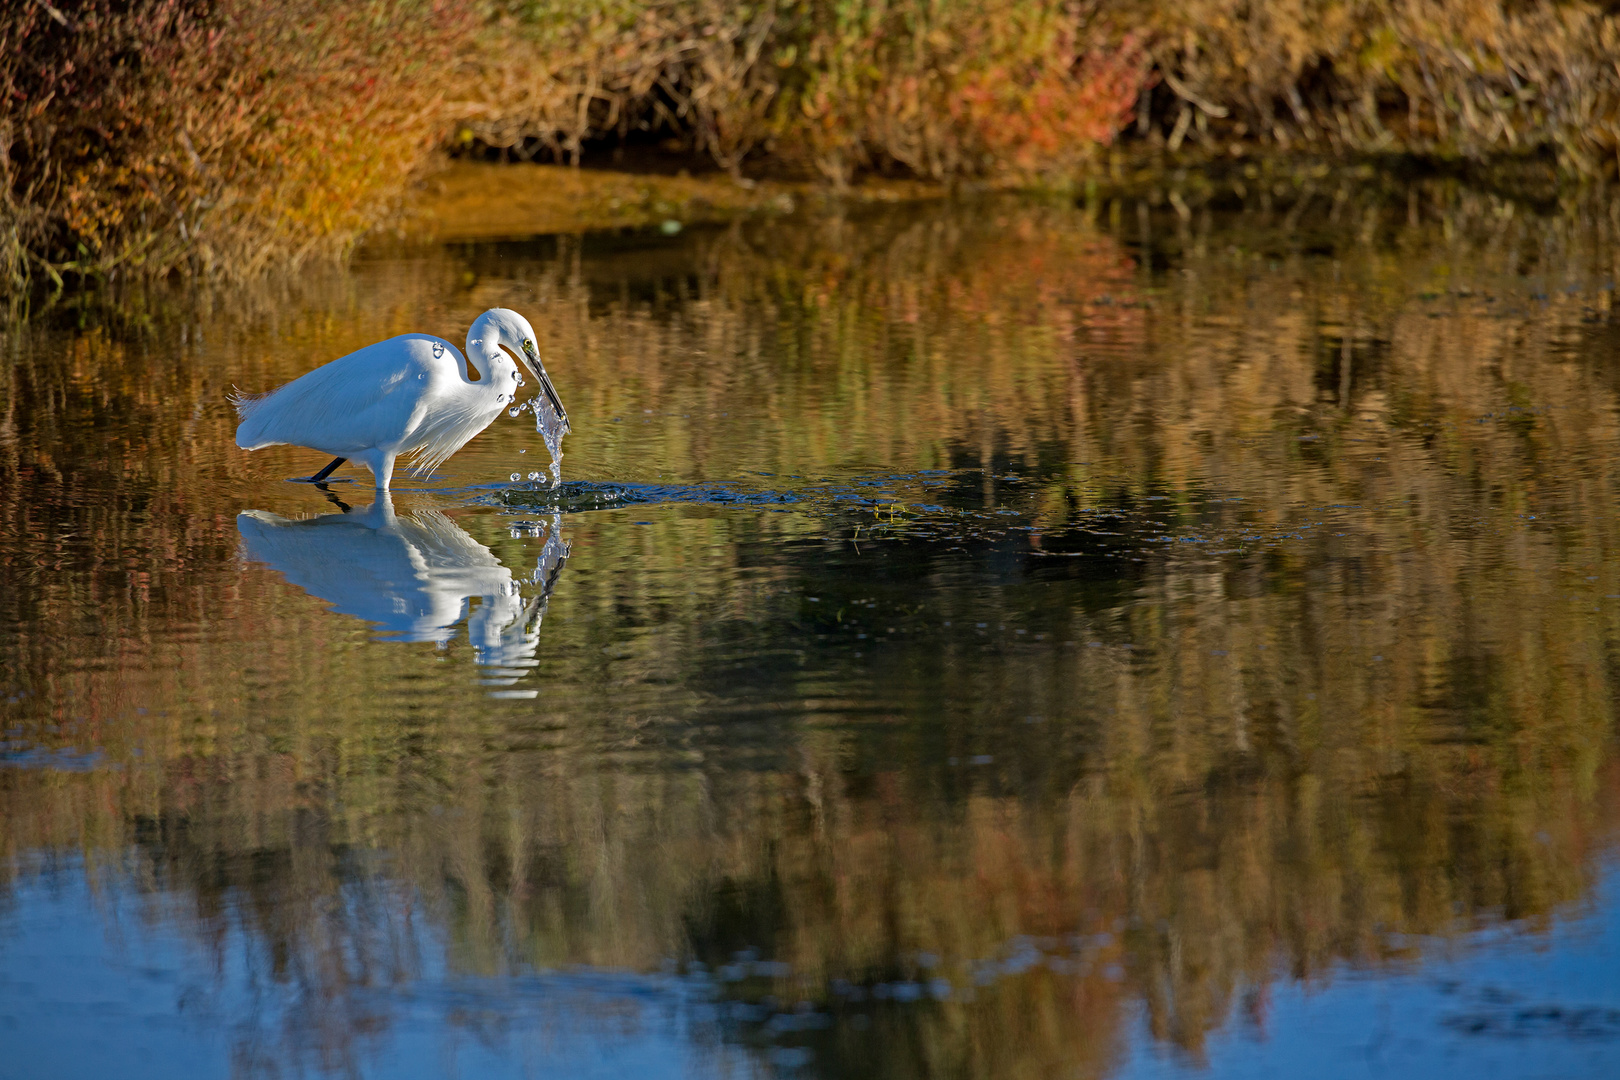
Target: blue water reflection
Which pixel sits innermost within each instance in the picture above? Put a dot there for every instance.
(416, 577)
(1507, 1001)
(101, 977)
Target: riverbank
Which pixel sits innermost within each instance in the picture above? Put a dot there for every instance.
(477, 200)
(225, 138)
(464, 200)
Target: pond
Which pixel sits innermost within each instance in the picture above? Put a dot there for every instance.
(1005, 636)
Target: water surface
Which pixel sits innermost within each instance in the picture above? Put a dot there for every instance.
(994, 638)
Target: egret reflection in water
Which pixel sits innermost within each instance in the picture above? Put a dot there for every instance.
(414, 576)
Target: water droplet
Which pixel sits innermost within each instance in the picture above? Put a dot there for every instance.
(518, 375)
(500, 397)
(421, 377)
(438, 349)
(516, 478)
(513, 411)
(534, 476)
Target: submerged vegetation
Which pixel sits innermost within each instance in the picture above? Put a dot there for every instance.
(226, 136)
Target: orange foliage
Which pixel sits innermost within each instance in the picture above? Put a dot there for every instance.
(231, 135)
(217, 136)
(942, 89)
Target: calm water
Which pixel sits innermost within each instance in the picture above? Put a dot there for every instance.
(997, 639)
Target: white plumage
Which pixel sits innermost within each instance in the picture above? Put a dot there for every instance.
(409, 396)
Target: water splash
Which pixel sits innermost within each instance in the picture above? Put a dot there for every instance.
(551, 429)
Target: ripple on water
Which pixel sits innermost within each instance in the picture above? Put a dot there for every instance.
(1122, 524)
(578, 496)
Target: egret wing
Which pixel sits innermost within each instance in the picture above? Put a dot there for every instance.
(373, 397)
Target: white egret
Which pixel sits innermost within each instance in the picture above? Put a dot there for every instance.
(407, 396)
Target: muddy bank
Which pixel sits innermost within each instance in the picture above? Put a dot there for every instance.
(473, 200)
(481, 200)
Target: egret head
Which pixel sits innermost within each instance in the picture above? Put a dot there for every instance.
(503, 326)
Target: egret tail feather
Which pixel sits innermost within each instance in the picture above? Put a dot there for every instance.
(246, 404)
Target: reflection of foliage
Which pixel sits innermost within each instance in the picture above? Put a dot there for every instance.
(1388, 718)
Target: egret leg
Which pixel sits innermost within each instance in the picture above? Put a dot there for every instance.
(324, 473)
(383, 471)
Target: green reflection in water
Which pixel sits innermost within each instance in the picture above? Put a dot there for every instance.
(988, 616)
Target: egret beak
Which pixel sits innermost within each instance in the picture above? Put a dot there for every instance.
(531, 360)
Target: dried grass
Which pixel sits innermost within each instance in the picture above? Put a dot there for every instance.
(213, 135)
(226, 136)
(1436, 78)
(945, 88)
(941, 89)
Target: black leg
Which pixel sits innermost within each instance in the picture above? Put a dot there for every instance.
(324, 473)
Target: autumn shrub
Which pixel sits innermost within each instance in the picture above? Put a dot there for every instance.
(947, 88)
(940, 88)
(1438, 78)
(951, 88)
(218, 135)
(227, 135)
